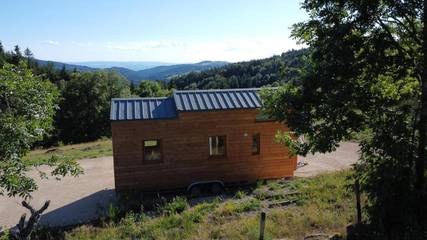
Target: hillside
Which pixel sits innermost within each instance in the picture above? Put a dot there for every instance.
(69, 67)
(255, 73)
(154, 73)
(134, 65)
(165, 72)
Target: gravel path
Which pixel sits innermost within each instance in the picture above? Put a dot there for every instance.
(342, 158)
(73, 200)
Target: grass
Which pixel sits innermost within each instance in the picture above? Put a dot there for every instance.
(94, 149)
(318, 205)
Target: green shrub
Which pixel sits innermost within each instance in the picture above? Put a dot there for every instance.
(250, 204)
(113, 212)
(240, 194)
(129, 225)
(274, 185)
(177, 205)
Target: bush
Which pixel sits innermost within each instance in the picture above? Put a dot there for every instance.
(177, 205)
(240, 194)
(251, 204)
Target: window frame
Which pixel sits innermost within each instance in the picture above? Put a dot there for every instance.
(144, 161)
(225, 147)
(258, 136)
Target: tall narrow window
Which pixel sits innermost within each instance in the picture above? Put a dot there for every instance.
(152, 151)
(255, 144)
(217, 146)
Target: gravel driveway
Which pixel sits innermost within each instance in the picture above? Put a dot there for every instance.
(80, 199)
(346, 155)
(73, 200)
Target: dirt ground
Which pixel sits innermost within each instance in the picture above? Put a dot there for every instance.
(342, 158)
(73, 200)
(81, 199)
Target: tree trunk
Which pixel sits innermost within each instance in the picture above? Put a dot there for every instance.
(422, 128)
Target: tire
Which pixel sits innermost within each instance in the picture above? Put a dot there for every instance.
(195, 191)
(217, 189)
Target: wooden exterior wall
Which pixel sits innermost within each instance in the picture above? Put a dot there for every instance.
(186, 150)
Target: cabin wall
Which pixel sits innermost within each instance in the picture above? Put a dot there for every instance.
(186, 150)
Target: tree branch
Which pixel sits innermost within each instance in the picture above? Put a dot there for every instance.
(412, 32)
(23, 231)
(390, 35)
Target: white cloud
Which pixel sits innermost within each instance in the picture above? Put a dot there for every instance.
(177, 51)
(145, 45)
(233, 50)
(51, 42)
(82, 44)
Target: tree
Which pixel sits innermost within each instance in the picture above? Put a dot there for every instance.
(85, 105)
(64, 74)
(29, 56)
(27, 106)
(366, 70)
(2, 54)
(132, 88)
(152, 89)
(255, 73)
(16, 55)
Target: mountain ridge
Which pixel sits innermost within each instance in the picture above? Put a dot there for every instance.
(132, 65)
(163, 72)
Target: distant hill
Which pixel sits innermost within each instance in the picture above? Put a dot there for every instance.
(69, 67)
(155, 73)
(165, 72)
(136, 66)
(255, 73)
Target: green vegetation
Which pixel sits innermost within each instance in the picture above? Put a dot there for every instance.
(83, 106)
(270, 71)
(27, 107)
(365, 76)
(84, 109)
(100, 148)
(152, 89)
(322, 204)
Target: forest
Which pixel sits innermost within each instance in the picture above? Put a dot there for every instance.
(272, 71)
(83, 104)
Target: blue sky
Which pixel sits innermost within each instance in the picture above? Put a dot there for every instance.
(148, 30)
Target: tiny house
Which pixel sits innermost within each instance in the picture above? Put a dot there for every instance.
(195, 136)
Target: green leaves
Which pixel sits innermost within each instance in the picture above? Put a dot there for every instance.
(147, 88)
(85, 105)
(27, 106)
(362, 74)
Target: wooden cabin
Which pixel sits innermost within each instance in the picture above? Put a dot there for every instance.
(195, 136)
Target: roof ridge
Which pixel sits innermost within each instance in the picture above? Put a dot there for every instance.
(217, 90)
(140, 98)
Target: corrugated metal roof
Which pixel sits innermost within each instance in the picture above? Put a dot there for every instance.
(218, 99)
(186, 100)
(142, 108)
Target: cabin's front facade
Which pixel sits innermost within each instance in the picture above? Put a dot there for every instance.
(193, 136)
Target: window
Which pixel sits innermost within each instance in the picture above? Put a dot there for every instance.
(217, 146)
(152, 151)
(255, 144)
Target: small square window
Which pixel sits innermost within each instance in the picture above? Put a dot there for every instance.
(217, 146)
(152, 151)
(256, 144)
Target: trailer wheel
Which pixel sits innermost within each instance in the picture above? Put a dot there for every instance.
(217, 188)
(195, 191)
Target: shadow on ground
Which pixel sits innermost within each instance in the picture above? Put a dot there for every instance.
(86, 209)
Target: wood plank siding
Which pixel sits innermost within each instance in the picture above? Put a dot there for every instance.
(185, 150)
